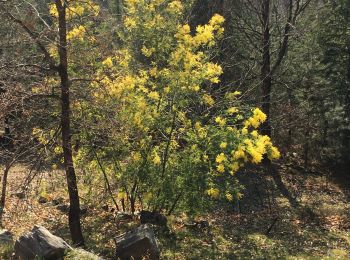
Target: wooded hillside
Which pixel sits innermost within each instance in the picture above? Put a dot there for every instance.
(225, 124)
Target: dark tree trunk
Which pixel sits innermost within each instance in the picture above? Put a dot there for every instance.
(290, 119)
(3, 189)
(74, 209)
(266, 81)
(306, 142)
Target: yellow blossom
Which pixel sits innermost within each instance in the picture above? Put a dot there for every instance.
(208, 100)
(254, 133)
(129, 23)
(156, 159)
(221, 158)
(238, 154)
(229, 196)
(217, 20)
(256, 156)
(214, 193)
(196, 88)
(76, 33)
(220, 168)
(147, 51)
(154, 95)
(234, 167)
(232, 110)
(108, 62)
(175, 7)
(223, 145)
(121, 194)
(136, 156)
(166, 90)
(274, 153)
(220, 121)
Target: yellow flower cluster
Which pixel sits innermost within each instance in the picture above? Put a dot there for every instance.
(108, 62)
(205, 34)
(153, 95)
(208, 100)
(252, 147)
(229, 196)
(220, 121)
(201, 131)
(175, 7)
(232, 110)
(195, 62)
(136, 156)
(214, 193)
(221, 158)
(147, 51)
(255, 120)
(40, 135)
(220, 168)
(223, 145)
(76, 33)
(156, 159)
(77, 8)
(130, 23)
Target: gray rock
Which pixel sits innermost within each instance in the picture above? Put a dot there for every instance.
(5, 236)
(154, 218)
(137, 244)
(40, 243)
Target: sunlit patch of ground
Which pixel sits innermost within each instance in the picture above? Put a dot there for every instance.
(318, 229)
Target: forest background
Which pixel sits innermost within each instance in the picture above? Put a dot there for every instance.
(178, 107)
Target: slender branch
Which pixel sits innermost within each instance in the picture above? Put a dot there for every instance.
(33, 37)
(105, 177)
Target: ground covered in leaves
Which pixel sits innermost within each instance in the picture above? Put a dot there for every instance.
(265, 225)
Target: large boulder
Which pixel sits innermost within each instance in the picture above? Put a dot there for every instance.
(40, 243)
(137, 244)
(154, 218)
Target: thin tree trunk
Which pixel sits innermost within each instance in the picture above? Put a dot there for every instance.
(4, 188)
(290, 119)
(306, 142)
(266, 81)
(74, 209)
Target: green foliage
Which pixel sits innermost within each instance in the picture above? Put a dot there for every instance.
(167, 142)
(334, 39)
(77, 254)
(6, 250)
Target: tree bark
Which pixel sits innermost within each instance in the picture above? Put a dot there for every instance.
(266, 81)
(74, 209)
(4, 188)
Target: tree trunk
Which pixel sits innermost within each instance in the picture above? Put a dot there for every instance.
(290, 119)
(3, 190)
(74, 209)
(266, 67)
(306, 142)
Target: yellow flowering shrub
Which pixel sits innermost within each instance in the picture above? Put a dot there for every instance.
(76, 8)
(165, 129)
